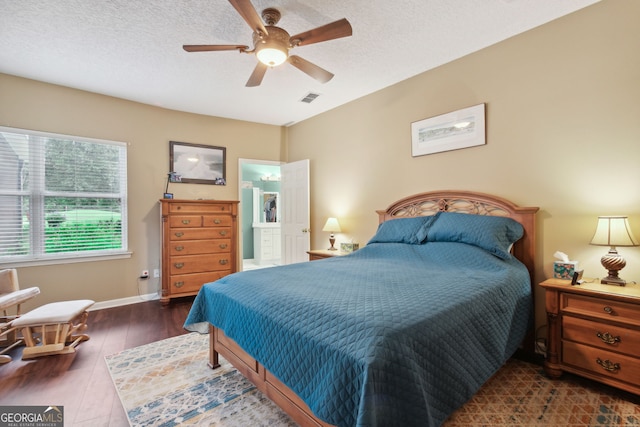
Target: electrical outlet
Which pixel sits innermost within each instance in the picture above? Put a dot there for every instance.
(144, 274)
(156, 273)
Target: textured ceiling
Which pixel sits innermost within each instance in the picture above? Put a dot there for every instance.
(132, 49)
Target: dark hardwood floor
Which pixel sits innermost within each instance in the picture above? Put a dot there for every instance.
(80, 382)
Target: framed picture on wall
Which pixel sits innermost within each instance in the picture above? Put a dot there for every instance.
(451, 131)
(198, 163)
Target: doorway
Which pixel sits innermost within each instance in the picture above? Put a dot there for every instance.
(260, 238)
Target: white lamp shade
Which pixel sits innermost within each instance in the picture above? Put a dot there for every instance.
(332, 226)
(613, 231)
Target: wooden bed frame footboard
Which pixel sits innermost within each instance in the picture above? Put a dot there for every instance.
(417, 205)
(274, 389)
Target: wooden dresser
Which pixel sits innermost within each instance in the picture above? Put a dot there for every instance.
(594, 331)
(199, 244)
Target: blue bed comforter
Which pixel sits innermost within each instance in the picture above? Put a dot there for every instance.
(392, 335)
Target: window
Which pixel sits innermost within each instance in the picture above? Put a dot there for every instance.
(61, 197)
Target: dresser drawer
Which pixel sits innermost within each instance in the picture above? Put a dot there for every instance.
(182, 221)
(216, 221)
(198, 233)
(199, 263)
(608, 337)
(620, 367)
(182, 283)
(603, 309)
(197, 208)
(192, 247)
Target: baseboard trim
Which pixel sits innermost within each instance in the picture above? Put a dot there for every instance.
(124, 301)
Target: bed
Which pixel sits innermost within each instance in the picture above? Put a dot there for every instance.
(401, 332)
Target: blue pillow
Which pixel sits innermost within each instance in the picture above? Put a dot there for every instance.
(403, 230)
(492, 233)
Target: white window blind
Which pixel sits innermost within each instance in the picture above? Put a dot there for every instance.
(61, 196)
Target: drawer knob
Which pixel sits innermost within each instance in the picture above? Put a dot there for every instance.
(216, 221)
(223, 246)
(178, 264)
(179, 248)
(607, 338)
(178, 284)
(223, 232)
(608, 365)
(224, 262)
(186, 221)
(608, 309)
(179, 234)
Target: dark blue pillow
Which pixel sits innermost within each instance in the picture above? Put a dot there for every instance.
(403, 230)
(492, 233)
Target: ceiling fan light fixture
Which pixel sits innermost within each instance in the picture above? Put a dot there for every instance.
(271, 56)
(271, 44)
(273, 49)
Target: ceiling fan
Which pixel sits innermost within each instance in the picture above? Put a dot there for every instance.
(271, 44)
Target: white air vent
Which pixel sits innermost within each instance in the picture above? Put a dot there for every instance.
(310, 97)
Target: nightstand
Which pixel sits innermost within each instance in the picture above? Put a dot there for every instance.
(594, 331)
(317, 254)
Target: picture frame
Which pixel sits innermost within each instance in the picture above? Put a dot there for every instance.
(450, 131)
(198, 163)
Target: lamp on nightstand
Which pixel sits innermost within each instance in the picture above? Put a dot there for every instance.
(332, 226)
(613, 231)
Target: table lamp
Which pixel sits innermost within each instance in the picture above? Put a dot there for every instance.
(613, 231)
(332, 226)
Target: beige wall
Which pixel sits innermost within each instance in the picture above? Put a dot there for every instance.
(33, 105)
(563, 133)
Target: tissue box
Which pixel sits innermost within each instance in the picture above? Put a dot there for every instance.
(349, 247)
(564, 270)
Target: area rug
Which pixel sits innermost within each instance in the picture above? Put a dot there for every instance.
(168, 383)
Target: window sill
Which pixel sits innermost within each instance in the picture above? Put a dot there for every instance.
(64, 260)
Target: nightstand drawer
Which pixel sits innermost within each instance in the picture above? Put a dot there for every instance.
(609, 337)
(602, 362)
(318, 254)
(603, 309)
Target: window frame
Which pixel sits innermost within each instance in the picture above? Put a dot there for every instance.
(37, 194)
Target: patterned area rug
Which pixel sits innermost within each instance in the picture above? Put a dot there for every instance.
(168, 383)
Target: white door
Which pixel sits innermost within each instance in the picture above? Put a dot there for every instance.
(295, 211)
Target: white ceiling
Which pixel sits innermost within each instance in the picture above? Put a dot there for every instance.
(132, 49)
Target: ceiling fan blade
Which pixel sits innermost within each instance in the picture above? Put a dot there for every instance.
(256, 77)
(311, 69)
(250, 15)
(213, 47)
(334, 30)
